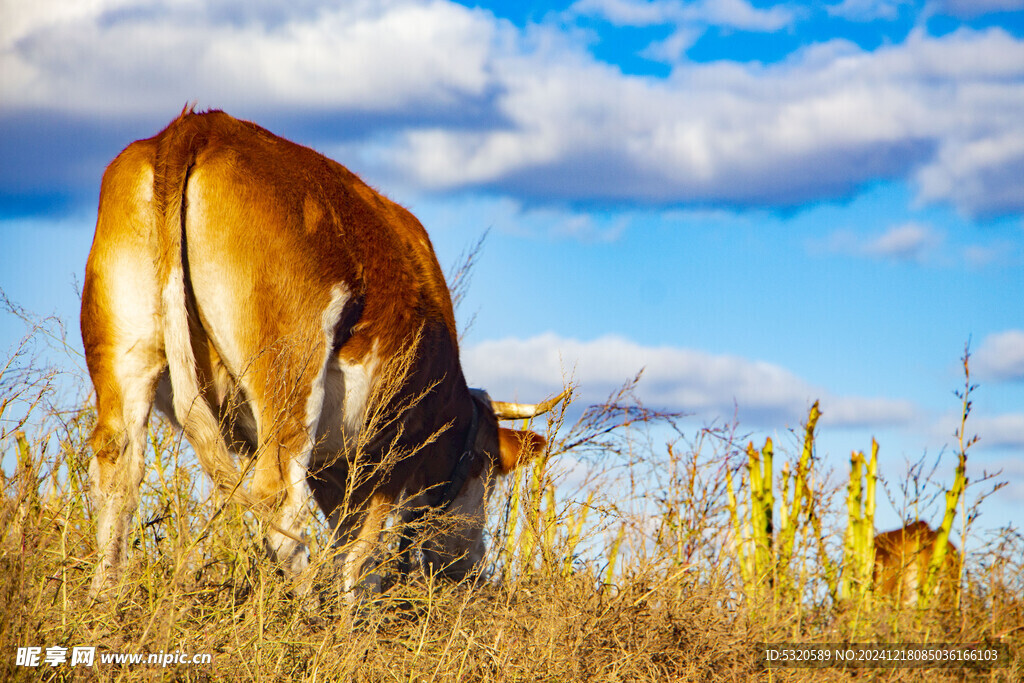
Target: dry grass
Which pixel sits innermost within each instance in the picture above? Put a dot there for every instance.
(611, 559)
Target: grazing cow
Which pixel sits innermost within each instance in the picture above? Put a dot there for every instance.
(901, 564)
(276, 307)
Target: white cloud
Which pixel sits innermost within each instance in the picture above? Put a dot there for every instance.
(737, 14)
(1001, 252)
(831, 118)
(22, 19)
(858, 411)
(690, 19)
(906, 242)
(979, 174)
(868, 10)
(552, 122)
(356, 56)
(999, 431)
(1000, 357)
(914, 242)
(628, 12)
(708, 385)
(972, 8)
(673, 47)
(743, 15)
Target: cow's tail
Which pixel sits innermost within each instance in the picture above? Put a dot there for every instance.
(178, 149)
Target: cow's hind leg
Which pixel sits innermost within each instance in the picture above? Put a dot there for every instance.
(125, 359)
(123, 341)
(116, 470)
(279, 484)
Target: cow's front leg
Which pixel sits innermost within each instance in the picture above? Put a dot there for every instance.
(357, 538)
(280, 482)
(356, 515)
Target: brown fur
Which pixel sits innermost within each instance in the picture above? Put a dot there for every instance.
(259, 232)
(901, 563)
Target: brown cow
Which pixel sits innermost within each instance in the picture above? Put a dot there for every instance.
(262, 296)
(901, 564)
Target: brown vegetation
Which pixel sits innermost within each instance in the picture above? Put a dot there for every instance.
(612, 558)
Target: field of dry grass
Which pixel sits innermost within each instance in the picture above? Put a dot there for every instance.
(618, 556)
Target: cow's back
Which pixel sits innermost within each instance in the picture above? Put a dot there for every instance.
(264, 211)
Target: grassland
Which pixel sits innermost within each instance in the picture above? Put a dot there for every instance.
(639, 548)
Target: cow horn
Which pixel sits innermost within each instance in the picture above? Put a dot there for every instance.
(504, 410)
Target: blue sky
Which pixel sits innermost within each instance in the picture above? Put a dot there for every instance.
(762, 204)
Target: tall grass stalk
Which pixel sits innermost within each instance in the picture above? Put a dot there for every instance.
(615, 559)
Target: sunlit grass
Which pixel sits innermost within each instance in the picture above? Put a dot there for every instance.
(612, 557)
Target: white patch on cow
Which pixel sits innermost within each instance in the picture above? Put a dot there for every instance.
(911, 587)
(347, 389)
(328, 322)
(359, 382)
(180, 361)
(330, 434)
